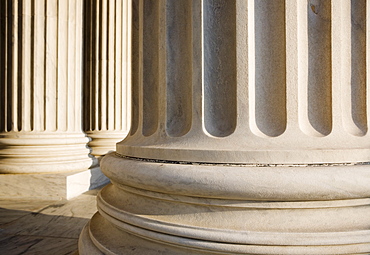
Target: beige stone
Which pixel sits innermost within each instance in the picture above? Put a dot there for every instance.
(286, 94)
(43, 150)
(36, 226)
(40, 104)
(249, 132)
(52, 186)
(107, 73)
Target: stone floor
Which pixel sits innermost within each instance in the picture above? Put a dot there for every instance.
(44, 227)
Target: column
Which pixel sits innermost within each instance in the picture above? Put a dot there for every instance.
(107, 73)
(40, 90)
(249, 132)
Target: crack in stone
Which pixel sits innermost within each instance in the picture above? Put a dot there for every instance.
(238, 164)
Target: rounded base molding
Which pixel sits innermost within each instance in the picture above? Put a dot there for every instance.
(239, 182)
(290, 148)
(103, 142)
(43, 152)
(213, 209)
(102, 237)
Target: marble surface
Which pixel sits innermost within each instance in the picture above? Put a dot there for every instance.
(44, 226)
(55, 185)
(220, 209)
(41, 110)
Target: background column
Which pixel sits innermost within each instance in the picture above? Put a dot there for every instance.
(40, 97)
(41, 87)
(107, 73)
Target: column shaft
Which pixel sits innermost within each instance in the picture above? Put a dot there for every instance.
(40, 104)
(229, 77)
(107, 73)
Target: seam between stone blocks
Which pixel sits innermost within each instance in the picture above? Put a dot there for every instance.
(236, 164)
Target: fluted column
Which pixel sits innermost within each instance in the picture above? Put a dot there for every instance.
(40, 90)
(107, 73)
(249, 132)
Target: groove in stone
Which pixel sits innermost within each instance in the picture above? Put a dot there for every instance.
(219, 23)
(100, 79)
(110, 84)
(136, 70)
(4, 38)
(32, 66)
(75, 74)
(51, 78)
(63, 51)
(87, 89)
(26, 81)
(319, 92)
(116, 119)
(150, 66)
(126, 65)
(270, 67)
(179, 66)
(18, 110)
(96, 56)
(358, 65)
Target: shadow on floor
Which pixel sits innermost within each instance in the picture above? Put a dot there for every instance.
(44, 227)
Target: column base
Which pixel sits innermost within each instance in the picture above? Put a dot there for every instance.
(168, 208)
(100, 237)
(103, 142)
(53, 186)
(134, 234)
(44, 152)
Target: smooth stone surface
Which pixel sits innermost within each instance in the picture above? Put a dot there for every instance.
(54, 185)
(44, 227)
(238, 182)
(101, 237)
(34, 245)
(106, 235)
(14, 209)
(225, 209)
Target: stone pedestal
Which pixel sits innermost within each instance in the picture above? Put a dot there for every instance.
(50, 186)
(40, 91)
(107, 73)
(249, 132)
